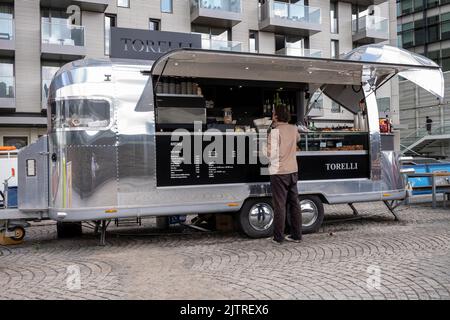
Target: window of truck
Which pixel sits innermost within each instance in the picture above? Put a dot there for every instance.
(80, 114)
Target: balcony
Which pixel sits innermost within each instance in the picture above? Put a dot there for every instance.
(370, 29)
(300, 52)
(62, 41)
(286, 18)
(7, 100)
(216, 13)
(85, 5)
(364, 3)
(7, 36)
(221, 45)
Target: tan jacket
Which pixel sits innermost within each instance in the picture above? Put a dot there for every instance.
(282, 148)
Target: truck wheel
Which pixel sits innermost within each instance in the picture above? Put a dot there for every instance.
(19, 233)
(68, 229)
(256, 218)
(312, 213)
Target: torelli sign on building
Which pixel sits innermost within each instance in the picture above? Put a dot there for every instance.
(148, 44)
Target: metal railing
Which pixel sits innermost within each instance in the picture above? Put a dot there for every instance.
(219, 5)
(62, 34)
(419, 133)
(6, 28)
(6, 87)
(371, 23)
(221, 45)
(290, 11)
(300, 52)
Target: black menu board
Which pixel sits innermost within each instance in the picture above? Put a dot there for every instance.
(171, 171)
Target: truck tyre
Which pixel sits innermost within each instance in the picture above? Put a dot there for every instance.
(312, 213)
(19, 233)
(255, 219)
(68, 229)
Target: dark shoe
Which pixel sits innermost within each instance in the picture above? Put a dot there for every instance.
(274, 241)
(289, 238)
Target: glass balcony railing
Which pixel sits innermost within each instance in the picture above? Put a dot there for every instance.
(300, 52)
(371, 24)
(6, 28)
(6, 87)
(62, 34)
(221, 45)
(219, 5)
(290, 11)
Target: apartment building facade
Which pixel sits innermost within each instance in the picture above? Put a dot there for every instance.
(424, 27)
(39, 36)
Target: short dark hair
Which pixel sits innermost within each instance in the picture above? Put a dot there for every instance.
(282, 113)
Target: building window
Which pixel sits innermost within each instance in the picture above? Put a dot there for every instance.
(18, 142)
(384, 104)
(49, 69)
(288, 41)
(445, 26)
(407, 35)
(432, 3)
(154, 24)
(110, 21)
(213, 37)
(167, 6)
(6, 79)
(6, 21)
(334, 49)
(57, 28)
(334, 17)
(253, 43)
(435, 56)
(123, 3)
(445, 59)
(335, 107)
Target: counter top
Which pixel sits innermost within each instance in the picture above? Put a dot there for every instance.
(331, 153)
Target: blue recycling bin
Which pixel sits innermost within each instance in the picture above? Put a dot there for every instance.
(12, 197)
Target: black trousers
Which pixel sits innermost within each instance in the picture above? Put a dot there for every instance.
(284, 194)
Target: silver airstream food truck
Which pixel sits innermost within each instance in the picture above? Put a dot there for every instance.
(109, 152)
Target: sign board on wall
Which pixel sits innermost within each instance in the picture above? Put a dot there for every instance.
(149, 44)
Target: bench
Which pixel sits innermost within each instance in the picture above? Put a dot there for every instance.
(444, 189)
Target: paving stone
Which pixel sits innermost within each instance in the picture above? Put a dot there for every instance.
(412, 255)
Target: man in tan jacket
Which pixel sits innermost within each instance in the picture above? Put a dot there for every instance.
(281, 151)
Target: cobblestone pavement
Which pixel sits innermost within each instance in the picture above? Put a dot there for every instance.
(411, 257)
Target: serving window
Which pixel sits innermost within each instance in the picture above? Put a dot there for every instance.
(241, 110)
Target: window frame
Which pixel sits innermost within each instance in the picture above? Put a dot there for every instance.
(52, 128)
(120, 6)
(15, 137)
(108, 15)
(153, 20)
(161, 6)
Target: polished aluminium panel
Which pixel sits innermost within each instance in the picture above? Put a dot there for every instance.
(374, 133)
(33, 181)
(390, 166)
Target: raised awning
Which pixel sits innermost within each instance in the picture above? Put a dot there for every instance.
(332, 75)
(418, 69)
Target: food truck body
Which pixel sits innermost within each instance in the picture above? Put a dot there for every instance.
(109, 149)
